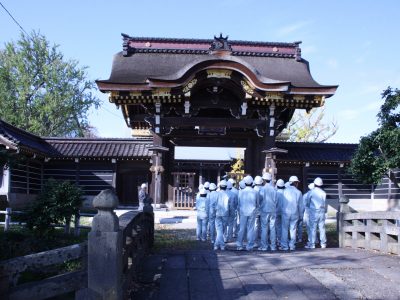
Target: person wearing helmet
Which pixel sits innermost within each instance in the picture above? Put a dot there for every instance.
(267, 179)
(222, 214)
(233, 205)
(242, 185)
(317, 213)
(202, 215)
(258, 186)
(207, 187)
(306, 217)
(212, 206)
(201, 186)
(235, 227)
(142, 195)
(268, 207)
(280, 187)
(247, 208)
(290, 214)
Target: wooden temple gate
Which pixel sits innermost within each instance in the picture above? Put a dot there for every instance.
(210, 93)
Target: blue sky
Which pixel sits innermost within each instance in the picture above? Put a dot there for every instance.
(351, 43)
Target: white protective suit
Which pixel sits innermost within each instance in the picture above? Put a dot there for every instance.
(212, 205)
(233, 212)
(268, 208)
(317, 216)
(222, 215)
(235, 227)
(247, 212)
(290, 215)
(202, 216)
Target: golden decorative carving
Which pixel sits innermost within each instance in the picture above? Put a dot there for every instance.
(162, 92)
(299, 98)
(216, 73)
(141, 132)
(135, 94)
(247, 87)
(190, 85)
(277, 97)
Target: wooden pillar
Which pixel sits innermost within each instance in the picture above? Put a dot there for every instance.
(28, 175)
(200, 176)
(340, 184)
(77, 171)
(304, 171)
(114, 178)
(157, 170)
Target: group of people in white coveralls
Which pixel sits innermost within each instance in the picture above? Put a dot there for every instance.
(270, 216)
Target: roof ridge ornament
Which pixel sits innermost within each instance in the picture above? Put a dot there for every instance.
(126, 49)
(220, 43)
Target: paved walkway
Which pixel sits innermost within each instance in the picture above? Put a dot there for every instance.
(318, 274)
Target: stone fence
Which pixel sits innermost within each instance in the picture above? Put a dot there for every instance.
(12, 269)
(110, 259)
(379, 230)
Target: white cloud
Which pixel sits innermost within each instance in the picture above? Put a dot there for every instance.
(286, 30)
(332, 63)
(352, 114)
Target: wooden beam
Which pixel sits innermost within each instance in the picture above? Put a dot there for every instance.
(211, 122)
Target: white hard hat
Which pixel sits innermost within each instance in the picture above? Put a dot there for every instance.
(229, 185)
(231, 180)
(206, 184)
(293, 179)
(280, 183)
(201, 186)
(242, 185)
(143, 186)
(318, 181)
(213, 187)
(258, 180)
(248, 180)
(311, 186)
(267, 176)
(203, 191)
(222, 183)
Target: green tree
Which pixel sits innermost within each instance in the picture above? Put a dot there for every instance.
(309, 127)
(56, 204)
(378, 153)
(41, 91)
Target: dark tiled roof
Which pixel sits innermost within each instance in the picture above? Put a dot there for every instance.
(101, 147)
(165, 58)
(138, 67)
(17, 138)
(321, 152)
(208, 41)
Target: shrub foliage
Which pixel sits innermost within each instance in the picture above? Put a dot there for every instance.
(56, 204)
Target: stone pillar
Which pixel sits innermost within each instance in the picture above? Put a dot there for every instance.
(105, 250)
(343, 209)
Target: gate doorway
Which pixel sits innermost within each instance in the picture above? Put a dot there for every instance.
(183, 190)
